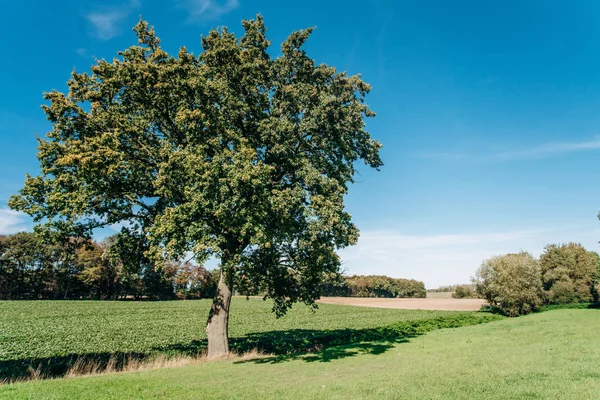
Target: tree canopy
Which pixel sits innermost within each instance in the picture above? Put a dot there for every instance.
(512, 283)
(569, 273)
(36, 267)
(232, 153)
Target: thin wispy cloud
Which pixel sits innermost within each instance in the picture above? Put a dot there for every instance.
(12, 221)
(550, 149)
(445, 259)
(205, 10)
(554, 149)
(106, 22)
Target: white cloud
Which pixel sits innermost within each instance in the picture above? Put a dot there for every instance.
(204, 10)
(550, 149)
(106, 22)
(554, 149)
(12, 221)
(445, 259)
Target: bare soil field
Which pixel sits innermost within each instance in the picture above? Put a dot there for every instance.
(439, 295)
(408, 304)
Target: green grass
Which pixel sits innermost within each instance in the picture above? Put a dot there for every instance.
(552, 355)
(54, 334)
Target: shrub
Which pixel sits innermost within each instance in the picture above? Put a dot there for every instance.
(463, 292)
(569, 273)
(511, 283)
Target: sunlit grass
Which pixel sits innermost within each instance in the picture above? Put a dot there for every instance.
(552, 355)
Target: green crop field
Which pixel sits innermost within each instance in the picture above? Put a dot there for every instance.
(550, 355)
(53, 334)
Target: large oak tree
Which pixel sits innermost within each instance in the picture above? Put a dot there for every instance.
(232, 154)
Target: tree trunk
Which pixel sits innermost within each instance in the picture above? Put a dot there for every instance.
(218, 320)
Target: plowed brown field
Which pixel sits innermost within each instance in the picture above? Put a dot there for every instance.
(408, 304)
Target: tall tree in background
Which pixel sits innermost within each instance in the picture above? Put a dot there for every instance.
(569, 273)
(232, 154)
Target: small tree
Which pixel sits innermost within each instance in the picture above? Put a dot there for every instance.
(569, 273)
(232, 154)
(463, 292)
(512, 283)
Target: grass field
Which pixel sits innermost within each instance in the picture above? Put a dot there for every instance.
(551, 355)
(54, 334)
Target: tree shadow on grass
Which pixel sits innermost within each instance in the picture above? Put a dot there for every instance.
(323, 345)
(300, 341)
(284, 345)
(329, 354)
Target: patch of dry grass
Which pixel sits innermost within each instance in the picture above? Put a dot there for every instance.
(85, 367)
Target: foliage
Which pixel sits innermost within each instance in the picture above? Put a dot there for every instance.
(36, 267)
(512, 283)
(464, 292)
(569, 273)
(54, 332)
(31, 269)
(372, 286)
(231, 153)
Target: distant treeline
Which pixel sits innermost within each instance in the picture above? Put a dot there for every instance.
(373, 286)
(444, 289)
(458, 291)
(34, 267)
(116, 268)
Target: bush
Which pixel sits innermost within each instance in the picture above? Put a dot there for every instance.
(463, 292)
(569, 273)
(511, 283)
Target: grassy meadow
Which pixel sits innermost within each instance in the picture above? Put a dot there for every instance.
(550, 355)
(50, 336)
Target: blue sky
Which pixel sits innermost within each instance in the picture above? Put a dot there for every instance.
(488, 112)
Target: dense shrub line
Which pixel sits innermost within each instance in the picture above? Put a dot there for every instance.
(33, 267)
(518, 283)
(373, 286)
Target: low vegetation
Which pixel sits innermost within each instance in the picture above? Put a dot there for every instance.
(501, 360)
(51, 336)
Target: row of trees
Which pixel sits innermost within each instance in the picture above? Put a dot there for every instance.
(373, 286)
(34, 267)
(519, 283)
(458, 291)
(37, 267)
